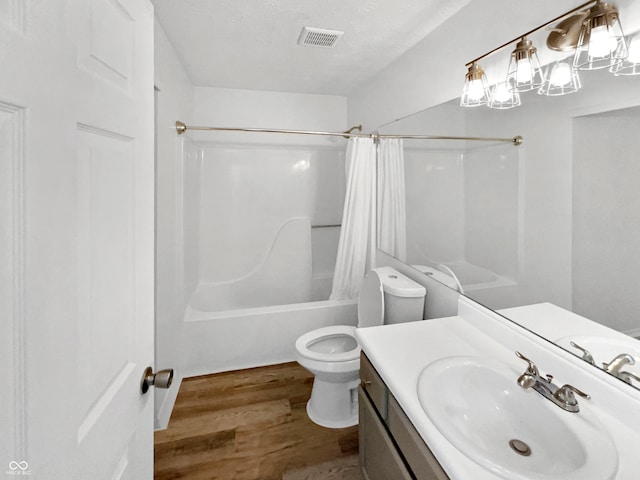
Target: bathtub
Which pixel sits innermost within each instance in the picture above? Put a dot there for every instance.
(251, 337)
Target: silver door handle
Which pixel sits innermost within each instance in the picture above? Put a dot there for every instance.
(161, 379)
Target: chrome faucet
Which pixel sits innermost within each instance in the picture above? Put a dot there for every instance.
(563, 396)
(614, 367)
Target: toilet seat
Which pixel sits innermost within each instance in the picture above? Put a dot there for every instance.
(331, 350)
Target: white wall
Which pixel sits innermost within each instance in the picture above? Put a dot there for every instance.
(174, 101)
(545, 217)
(606, 230)
(227, 107)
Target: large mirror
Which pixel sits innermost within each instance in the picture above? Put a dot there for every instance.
(554, 221)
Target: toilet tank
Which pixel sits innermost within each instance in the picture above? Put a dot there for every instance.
(403, 298)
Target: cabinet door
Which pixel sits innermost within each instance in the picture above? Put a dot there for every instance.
(418, 456)
(379, 459)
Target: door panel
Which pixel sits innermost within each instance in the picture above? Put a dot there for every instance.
(76, 237)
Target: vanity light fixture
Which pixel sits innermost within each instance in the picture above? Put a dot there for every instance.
(476, 90)
(601, 43)
(591, 29)
(524, 71)
(561, 78)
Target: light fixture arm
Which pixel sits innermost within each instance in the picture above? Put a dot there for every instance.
(519, 37)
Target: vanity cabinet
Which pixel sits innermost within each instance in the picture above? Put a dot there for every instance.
(390, 447)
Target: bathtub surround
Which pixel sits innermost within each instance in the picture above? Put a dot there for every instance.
(263, 273)
(357, 236)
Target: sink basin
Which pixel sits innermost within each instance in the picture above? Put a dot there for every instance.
(476, 404)
(604, 349)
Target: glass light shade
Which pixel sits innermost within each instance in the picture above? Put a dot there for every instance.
(631, 64)
(503, 97)
(524, 73)
(476, 90)
(560, 79)
(601, 43)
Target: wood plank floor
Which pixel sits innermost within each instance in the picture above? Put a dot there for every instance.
(248, 425)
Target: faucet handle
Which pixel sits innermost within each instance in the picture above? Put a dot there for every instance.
(615, 365)
(566, 394)
(586, 355)
(628, 376)
(531, 368)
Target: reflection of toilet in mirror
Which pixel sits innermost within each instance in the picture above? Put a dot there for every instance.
(446, 277)
(332, 354)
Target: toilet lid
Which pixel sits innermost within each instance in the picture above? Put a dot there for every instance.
(371, 301)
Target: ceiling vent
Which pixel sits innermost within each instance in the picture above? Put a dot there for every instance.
(319, 37)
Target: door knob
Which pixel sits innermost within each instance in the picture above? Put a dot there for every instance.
(161, 379)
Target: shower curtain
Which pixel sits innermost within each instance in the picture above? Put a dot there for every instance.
(392, 230)
(356, 246)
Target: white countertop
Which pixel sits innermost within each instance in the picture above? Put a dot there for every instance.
(422, 343)
(400, 352)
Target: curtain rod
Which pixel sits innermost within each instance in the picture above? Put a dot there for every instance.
(181, 128)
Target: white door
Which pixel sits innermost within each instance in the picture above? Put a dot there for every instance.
(76, 238)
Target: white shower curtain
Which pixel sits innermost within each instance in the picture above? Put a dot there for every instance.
(392, 230)
(357, 235)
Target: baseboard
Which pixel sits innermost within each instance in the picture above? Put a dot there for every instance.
(166, 407)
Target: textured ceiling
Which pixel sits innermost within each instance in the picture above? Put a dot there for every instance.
(252, 44)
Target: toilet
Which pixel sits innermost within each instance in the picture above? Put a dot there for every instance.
(332, 353)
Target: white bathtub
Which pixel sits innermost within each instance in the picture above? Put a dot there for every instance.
(252, 337)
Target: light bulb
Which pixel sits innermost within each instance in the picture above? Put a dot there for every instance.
(476, 90)
(601, 44)
(634, 51)
(560, 75)
(523, 73)
(501, 93)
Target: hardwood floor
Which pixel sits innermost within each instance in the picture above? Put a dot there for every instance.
(249, 425)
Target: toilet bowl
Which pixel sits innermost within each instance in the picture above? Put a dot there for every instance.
(332, 353)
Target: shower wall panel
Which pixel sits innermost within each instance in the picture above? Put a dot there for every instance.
(248, 193)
